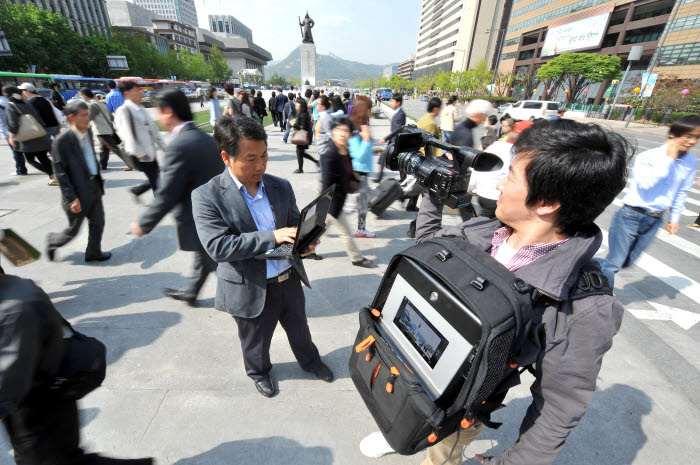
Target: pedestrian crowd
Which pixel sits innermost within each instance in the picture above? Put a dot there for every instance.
(229, 211)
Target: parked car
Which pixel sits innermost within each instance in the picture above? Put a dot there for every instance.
(504, 107)
(424, 98)
(532, 110)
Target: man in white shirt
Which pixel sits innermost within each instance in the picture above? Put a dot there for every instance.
(139, 135)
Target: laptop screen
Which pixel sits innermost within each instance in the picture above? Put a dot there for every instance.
(313, 216)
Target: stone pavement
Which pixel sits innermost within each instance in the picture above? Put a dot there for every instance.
(176, 388)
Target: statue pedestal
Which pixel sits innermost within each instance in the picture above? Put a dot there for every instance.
(308, 66)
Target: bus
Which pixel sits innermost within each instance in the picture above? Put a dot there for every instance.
(42, 82)
(69, 85)
(385, 93)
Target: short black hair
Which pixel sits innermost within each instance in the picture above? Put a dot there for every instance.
(684, 125)
(316, 92)
(338, 104)
(110, 84)
(290, 96)
(177, 101)
(126, 86)
(308, 93)
(8, 91)
(229, 88)
(583, 167)
(273, 93)
(342, 121)
(74, 106)
(86, 92)
(493, 120)
(259, 94)
(434, 103)
(452, 99)
(346, 94)
(397, 97)
(230, 129)
(324, 100)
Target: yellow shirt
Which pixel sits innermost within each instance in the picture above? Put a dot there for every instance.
(427, 123)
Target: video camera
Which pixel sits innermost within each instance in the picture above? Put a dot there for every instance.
(445, 181)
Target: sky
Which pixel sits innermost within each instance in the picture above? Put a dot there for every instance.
(369, 31)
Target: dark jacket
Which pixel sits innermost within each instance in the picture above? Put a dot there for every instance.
(337, 170)
(462, 135)
(230, 237)
(12, 115)
(72, 171)
(57, 99)
(280, 100)
(303, 122)
(31, 341)
(290, 110)
(568, 344)
(397, 122)
(259, 106)
(45, 111)
(271, 104)
(190, 160)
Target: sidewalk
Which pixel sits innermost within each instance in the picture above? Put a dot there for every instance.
(176, 388)
(636, 127)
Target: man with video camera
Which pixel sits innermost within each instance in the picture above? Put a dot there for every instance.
(544, 232)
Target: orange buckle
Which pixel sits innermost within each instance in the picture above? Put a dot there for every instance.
(514, 364)
(392, 378)
(432, 438)
(389, 388)
(395, 371)
(364, 345)
(368, 357)
(466, 423)
(376, 312)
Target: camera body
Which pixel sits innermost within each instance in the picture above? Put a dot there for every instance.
(445, 181)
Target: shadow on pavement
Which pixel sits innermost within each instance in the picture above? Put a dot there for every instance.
(148, 250)
(87, 415)
(336, 360)
(100, 294)
(114, 183)
(610, 433)
(649, 288)
(274, 450)
(144, 330)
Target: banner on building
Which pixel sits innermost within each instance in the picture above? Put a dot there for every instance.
(578, 35)
(648, 83)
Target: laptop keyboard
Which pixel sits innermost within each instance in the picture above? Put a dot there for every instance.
(285, 248)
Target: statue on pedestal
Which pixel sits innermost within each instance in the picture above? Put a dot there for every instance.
(305, 27)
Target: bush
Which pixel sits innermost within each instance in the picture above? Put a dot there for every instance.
(657, 115)
(495, 101)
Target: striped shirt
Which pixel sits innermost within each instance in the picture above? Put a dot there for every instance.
(527, 253)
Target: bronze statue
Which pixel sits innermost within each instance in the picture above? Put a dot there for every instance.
(305, 27)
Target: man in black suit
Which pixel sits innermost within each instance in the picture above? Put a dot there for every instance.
(191, 159)
(280, 101)
(397, 122)
(43, 426)
(240, 214)
(78, 174)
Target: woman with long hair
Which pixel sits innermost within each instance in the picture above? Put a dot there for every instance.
(35, 150)
(361, 153)
(214, 106)
(245, 105)
(303, 122)
(337, 109)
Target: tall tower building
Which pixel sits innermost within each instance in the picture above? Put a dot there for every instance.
(82, 15)
(182, 11)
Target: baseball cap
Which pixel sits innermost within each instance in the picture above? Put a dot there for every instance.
(520, 126)
(27, 86)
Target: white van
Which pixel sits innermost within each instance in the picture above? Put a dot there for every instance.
(532, 110)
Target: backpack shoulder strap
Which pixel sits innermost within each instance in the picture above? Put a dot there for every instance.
(591, 281)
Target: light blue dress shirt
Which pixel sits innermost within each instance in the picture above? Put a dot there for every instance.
(114, 100)
(261, 211)
(659, 182)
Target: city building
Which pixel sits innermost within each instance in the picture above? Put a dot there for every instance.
(538, 31)
(127, 14)
(406, 68)
(182, 11)
(179, 36)
(336, 83)
(82, 15)
(159, 41)
(241, 54)
(457, 35)
(228, 26)
(390, 71)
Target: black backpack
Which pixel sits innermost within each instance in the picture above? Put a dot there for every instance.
(407, 417)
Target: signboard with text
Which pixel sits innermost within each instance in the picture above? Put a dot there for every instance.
(648, 83)
(583, 34)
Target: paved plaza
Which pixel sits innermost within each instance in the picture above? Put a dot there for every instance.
(176, 388)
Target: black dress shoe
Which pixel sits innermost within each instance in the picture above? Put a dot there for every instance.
(179, 295)
(50, 253)
(265, 387)
(99, 258)
(324, 373)
(110, 461)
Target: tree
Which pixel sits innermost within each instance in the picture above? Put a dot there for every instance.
(296, 82)
(503, 83)
(220, 70)
(276, 80)
(91, 53)
(144, 58)
(577, 71)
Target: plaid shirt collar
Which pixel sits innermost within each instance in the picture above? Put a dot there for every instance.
(527, 254)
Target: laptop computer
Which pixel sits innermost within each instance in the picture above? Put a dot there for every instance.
(311, 226)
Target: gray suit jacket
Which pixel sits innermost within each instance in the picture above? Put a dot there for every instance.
(190, 160)
(229, 235)
(72, 171)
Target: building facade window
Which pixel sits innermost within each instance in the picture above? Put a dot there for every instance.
(645, 34)
(580, 5)
(684, 24)
(508, 56)
(680, 54)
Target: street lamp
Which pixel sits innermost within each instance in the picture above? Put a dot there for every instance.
(634, 55)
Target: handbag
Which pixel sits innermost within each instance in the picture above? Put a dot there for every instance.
(29, 127)
(354, 183)
(300, 137)
(60, 117)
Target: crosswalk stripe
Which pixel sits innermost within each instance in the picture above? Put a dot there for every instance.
(666, 274)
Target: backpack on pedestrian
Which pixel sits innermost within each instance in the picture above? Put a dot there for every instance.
(441, 344)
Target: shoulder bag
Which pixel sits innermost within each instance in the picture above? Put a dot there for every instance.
(29, 127)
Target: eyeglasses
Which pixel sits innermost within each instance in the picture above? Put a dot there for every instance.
(694, 137)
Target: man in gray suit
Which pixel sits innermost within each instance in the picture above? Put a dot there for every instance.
(242, 213)
(78, 174)
(191, 159)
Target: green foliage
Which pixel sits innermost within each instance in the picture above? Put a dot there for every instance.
(220, 70)
(576, 71)
(276, 80)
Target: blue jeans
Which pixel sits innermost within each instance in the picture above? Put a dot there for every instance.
(20, 167)
(286, 133)
(446, 136)
(631, 232)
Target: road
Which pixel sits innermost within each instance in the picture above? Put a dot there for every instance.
(176, 387)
